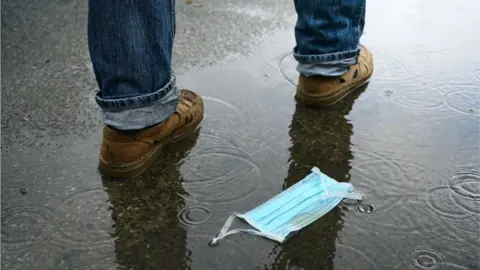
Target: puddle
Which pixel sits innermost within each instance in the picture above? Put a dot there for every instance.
(466, 185)
(28, 221)
(26, 224)
(415, 96)
(464, 99)
(84, 221)
(426, 259)
(408, 140)
(366, 208)
(219, 166)
(392, 71)
(192, 216)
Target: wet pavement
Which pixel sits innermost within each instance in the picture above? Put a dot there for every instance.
(410, 141)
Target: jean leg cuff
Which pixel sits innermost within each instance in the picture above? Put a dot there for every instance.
(141, 111)
(330, 58)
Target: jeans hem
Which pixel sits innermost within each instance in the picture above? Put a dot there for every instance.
(137, 101)
(145, 116)
(330, 58)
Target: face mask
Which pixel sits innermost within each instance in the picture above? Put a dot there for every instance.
(294, 208)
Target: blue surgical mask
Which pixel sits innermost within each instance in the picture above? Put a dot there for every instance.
(294, 208)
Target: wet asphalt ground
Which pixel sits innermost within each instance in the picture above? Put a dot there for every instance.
(410, 141)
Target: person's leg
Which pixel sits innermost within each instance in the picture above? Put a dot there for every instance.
(328, 47)
(130, 44)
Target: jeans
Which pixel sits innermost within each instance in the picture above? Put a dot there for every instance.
(130, 44)
(328, 35)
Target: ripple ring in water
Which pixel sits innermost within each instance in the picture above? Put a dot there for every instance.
(476, 74)
(85, 219)
(376, 175)
(366, 208)
(219, 113)
(453, 221)
(219, 170)
(422, 210)
(391, 70)
(465, 188)
(440, 200)
(425, 259)
(222, 103)
(25, 227)
(186, 213)
(414, 96)
(462, 183)
(287, 69)
(466, 101)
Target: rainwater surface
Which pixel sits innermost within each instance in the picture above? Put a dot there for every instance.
(409, 140)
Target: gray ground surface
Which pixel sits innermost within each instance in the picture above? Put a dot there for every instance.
(409, 141)
(47, 81)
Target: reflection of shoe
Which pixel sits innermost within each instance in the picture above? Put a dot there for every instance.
(326, 91)
(128, 154)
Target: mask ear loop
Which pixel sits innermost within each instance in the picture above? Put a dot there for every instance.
(224, 232)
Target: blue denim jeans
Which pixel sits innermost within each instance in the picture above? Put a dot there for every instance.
(130, 44)
(328, 35)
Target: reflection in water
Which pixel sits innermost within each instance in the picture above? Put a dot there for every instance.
(148, 212)
(319, 138)
(148, 233)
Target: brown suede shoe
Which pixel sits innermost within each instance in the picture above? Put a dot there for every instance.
(325, 91)
(127, 155)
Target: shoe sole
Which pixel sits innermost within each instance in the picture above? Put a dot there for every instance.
(328, 101)
(139, 168)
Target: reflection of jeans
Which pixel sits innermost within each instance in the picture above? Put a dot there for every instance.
(148, 233)
(328, 133)
(130, 44)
